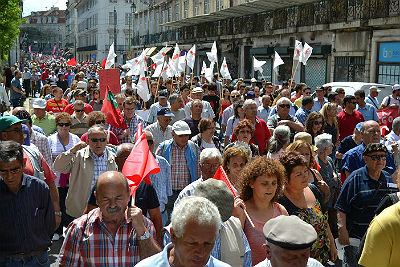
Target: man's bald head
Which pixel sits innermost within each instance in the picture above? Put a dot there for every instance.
(113, 178)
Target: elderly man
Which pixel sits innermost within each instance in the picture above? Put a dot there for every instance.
(359, 197)
(293, 107)
(228, 112)
(176, 103)
(193, 120)
(371, 99)
(154, 108)
(302, 113)
(161, 130)
(42, 118)
(288, 243)
(79, 94)
(320, 100)
(197, 93)
(367, 110)
(264, 109)
(348, 117)
(85, 163)
(132, 121)
(183, 156)
(28, 220)
(56, 104)
(192, 239)
(111, 235)
(283, 117)
(79, 124)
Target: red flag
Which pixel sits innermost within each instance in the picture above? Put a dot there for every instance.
(103, 64)
(154, 66)
(140, 163)
(113, 113)
(72, 62)
(386, 117)
(221, 175)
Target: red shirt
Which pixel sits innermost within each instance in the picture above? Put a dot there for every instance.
(347, 123)
(48, 173)
(56, 106)
(70, 108)
(44, 76)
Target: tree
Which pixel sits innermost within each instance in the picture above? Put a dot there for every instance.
(10, 20)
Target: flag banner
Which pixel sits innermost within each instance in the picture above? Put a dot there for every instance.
(298, 49)
(174, 61)
(191, 57)
(54, 49)
(203, 68)
(386, 117)
(257, 64)
(111, 57)
(224, 70)
(208, 73)
(159, 57)
(181, 64)
(213, 55)
(305, 55)
(143, 88)
(72, 62)
(221, 175)
(277, 62)
(109, 77)
(113, 113)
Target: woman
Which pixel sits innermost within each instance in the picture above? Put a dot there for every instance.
(98, 117)
(328, 112)
(96, 102)
(261, 186)
(315, 124)
(279, 141)
(46, 92)
(244, 132)
(206, 138)
(225, 101)
(238, 115)
(59, 142)
(305, 201)
(233, 161)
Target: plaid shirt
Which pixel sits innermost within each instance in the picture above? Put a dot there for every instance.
(179, 169)
(42, 144)
(88, 243)
(100, 165)
(132, 126)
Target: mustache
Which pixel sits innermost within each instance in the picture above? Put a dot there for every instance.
(114, 209)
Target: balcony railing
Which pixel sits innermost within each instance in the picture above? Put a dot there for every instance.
(87, 48)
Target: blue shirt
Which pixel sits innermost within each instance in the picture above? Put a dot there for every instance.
(317, 105)
(38, 129)
(292, 110)
(373, 101)
(263, 113)
(15, 83)
(162, 181)
(358, 199)
(352, 160)
(302, 115)
(346, 144)
(368, 112)
(161, 260)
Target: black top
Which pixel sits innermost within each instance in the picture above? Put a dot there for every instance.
(193, 125)
(146, 198)
(346, 144)
(332, 130)
(63, 85)
(27, 220)
(214, 102)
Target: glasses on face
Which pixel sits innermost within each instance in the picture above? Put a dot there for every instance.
(67, 124)
(79, 110)
(150, 142)
(95, 140)
(96, 93)
(284, 105)
(377, 157)
(12, 171)
(318, 122)
(235, 96)
(101, 122)
(307, 93)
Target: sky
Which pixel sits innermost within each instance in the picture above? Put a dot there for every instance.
(37, 5)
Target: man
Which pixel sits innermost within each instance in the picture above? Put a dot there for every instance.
(79, 124)
(182, 155)
(192, 239)
(111, 235)
(306, 92)
(16, 90)
(394, 134)
(28, 220)
(56, 104)
(196, 109)
(288, 243)
(132, 121)
(353, 159)
(372, 98)
(154, 108)
(320, 100)
(283, 117)
(264, 109)
(298, 92)
(293, 107)
(197, 93)
(145, 195)
(349, 117)
(161, 130)
(257, 97)
(304, 111)
(228, 112)
(62, 83)
(26, 81)
(176, 104)
(392, 100)
(213, 98)
(367, 110)
(79, 94)
(127, 85)
(35, 82)
(382, 240)
(253, 83)
(42, 118)
(85, 163)
(359, 197)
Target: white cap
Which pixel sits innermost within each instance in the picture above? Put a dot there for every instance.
(81, 85)
(180, 128)
(253, 80)
(39, 103)
(396, 87)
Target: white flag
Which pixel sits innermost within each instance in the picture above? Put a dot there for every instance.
(174, 61)
(277, 62)
(181, 64)
(298, 49)
(143, 88)
(159, 57)
(111, 57)
(191, 57)
(208, 73)
(224, 70)
(170, 70)
(307, 51)
(213, 55)
(257, 64)
(137, 64)
(203, 68)
(158, 70)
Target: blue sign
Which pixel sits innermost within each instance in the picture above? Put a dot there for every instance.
(389, 52)
(93, 55)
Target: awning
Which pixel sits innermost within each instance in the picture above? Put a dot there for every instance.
(150, 51)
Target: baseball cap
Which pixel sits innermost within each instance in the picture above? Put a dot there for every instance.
(163, 93)
(79, 92)
(250, 94)
(374, 147)
(39, 103)
(197, 90)
(253, 80)
(374, 89)
(81, 85)
(358, 126)
(396, 87)
(319, 88)
(165, 112)
(181, 128)
(8, 121)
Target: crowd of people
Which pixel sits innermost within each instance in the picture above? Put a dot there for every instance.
(312, 178)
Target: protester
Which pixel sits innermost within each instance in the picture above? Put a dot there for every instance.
(392, 100)
(206, 137)
(244, 132)
(238, 115)
(349, 117)
(161, 130)
(42, 118)
(207, 111)
(328, 112)
(79, 124)
(233, 161)
(96, 102)
(17, 94)
(56, 104)
(176, 103)
(279, 141)
(315, 124)
(304, 111)
(264, 109)
(156, 107)
(371, 99)
(99, 118)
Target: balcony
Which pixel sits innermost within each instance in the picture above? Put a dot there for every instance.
(86, 48)
(117, 47)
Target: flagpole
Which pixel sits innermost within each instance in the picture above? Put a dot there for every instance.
(291, 77)
(248, 218)
(291, 80)
(274, 77)
(108, 133)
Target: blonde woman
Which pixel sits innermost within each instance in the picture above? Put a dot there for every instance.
(328, 112)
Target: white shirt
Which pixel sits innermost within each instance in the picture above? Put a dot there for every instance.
(311, 263)
(207, 110)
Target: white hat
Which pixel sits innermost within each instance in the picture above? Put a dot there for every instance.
(374, 89)
(396, 87)
(81, 85)
(253, 80)
(39, 103)
(180, 128)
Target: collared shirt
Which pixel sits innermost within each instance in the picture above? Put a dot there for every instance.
(391, 137)
(89, 243)
(159, 135)
(230, 125)
(228, 112)
(17, 84)
(373, 101)
(347, 123)
(161, 260)
(100, 165)
(359, 198)
(317, 105)
(48, 123)
(179, 169)
(132, 126)
(310, 263)
(274, 119)
(302, 115)
(27, 218)
(42, 144)
(162, 182)
(206, 113)
(154, 108)
(368, 112)
(263, 113)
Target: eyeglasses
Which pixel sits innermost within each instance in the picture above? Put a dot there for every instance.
(67, 124)
(284, 106)
(235, 96)
(150, 142)
(377, 157)
(307, 93)
(79, 110)
(101, 122)
(318, 122)
(12, 171)
(95, 140)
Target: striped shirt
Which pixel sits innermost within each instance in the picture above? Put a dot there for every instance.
(132, 126)
(89, 243)
(179, 169)
(40, 140)
(162, 182)
(100, 165)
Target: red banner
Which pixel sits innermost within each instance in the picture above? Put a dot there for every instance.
(109, 77)
(386, 117)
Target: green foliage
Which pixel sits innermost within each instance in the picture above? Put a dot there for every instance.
(10, 20)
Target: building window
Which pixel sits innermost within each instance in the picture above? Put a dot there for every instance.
(157, 19)
(206, 6)
(186, 9)
(349, 69)
(111, 17)
(170, 13)
(113, 1)
(177, 11)
(195, 7)
(128, 18)
(218, 5)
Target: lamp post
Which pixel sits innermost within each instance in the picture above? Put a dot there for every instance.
(115, 33)
(133, 11)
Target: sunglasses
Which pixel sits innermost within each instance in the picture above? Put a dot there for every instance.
(318, 122)
(150, 142)
(235, 96)
(80, 110)
(67, 124)
(284, 106)
(95, 140)
(101, 122)
(377, 157)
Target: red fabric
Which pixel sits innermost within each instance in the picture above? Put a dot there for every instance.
(72, 62)
(386, 117)
(56, 106)
(44, 76)
(113, 138)
(140, 162)
(70, 108)
(48, 172)
(347, 123)
(221, 175)
(103, 64)
(113, 114)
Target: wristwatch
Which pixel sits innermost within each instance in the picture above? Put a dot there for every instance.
(58, 213)
(145, 236)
